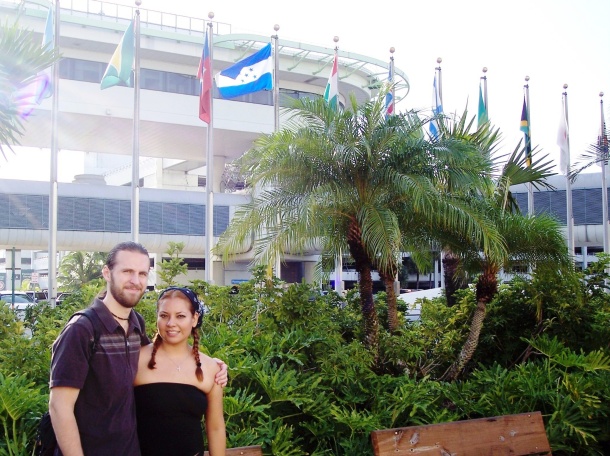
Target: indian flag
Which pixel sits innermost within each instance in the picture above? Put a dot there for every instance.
(119, 69)
(331, 94)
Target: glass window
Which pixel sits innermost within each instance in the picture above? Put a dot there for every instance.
(152, 79)
(181, 83)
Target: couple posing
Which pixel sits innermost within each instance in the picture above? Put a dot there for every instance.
(93, 402)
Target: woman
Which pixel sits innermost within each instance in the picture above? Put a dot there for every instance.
(174, 386)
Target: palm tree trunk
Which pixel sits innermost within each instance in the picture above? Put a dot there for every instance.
(371, 321)
(452, 280)
(487, 288)
(363, 265)
(388, 280)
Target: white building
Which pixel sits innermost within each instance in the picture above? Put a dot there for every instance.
(94, 209)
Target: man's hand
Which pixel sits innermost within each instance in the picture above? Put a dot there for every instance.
(222, 376)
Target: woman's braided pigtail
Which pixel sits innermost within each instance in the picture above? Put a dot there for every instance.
(157, 340)
(198, 371)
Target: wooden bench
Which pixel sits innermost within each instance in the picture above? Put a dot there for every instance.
(514, 435)
(254, 450)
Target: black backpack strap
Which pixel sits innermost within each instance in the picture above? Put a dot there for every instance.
(96, 323)
(143, 337)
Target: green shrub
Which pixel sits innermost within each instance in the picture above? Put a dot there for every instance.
(302, 381)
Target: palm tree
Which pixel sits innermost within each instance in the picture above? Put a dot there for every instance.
(21, 59)
(352, 181)
(529, 240)
(78, 268)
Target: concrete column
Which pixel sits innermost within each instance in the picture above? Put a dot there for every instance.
(219, 168)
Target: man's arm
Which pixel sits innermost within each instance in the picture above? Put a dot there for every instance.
(61, 409)
(222, 376)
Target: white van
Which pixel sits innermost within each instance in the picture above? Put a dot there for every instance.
(18, 300)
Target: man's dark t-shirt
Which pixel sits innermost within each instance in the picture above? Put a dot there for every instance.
(105, 409)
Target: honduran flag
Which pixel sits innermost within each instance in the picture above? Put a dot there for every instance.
(252, 74)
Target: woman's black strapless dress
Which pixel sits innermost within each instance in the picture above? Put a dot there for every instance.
(169, 419)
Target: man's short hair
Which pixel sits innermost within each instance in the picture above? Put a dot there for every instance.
(128, 246)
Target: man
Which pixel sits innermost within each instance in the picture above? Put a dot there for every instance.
(92, 402)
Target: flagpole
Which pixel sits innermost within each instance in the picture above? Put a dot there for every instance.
(393, 86)
(569, 214)
(276, 114)
(604, 153)
(528, 147)
(339, 261)
(135, 159)
(440, 80)
(440, 96)
(52, 267)
(209, 178)
(276, 79)
(390, 110)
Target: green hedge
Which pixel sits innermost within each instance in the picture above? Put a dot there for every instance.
(302, 382)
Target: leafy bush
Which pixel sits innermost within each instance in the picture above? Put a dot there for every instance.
(302, 381)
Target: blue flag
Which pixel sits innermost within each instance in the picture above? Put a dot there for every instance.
(249, 75)
(437, 108)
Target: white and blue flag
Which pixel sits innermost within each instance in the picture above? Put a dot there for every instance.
(249, 75)
(437, 108)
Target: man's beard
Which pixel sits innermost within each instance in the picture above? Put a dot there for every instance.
(128, 301)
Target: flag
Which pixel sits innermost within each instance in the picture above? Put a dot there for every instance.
(40, 87)
(525, 128)
(120, 67)
(45, 88)
(437, 108)
(204, 74)
(389, 98)
(331, 94)
(252, 74)
(482, 118)
(563, 142)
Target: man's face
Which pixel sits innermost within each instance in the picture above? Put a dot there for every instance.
(128, 278)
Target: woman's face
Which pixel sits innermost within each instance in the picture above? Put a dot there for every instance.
(175, 319)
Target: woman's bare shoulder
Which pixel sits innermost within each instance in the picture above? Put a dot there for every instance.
(208, 363)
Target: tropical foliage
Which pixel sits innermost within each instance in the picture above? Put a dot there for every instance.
(21, 59)
(301, 385)
(79, 268)
(530, 241)
(357, 182)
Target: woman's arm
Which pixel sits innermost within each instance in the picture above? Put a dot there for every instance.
(215, 423)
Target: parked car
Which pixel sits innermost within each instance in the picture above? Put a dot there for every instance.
(61, 296)
(18, 300)
(37, 296)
